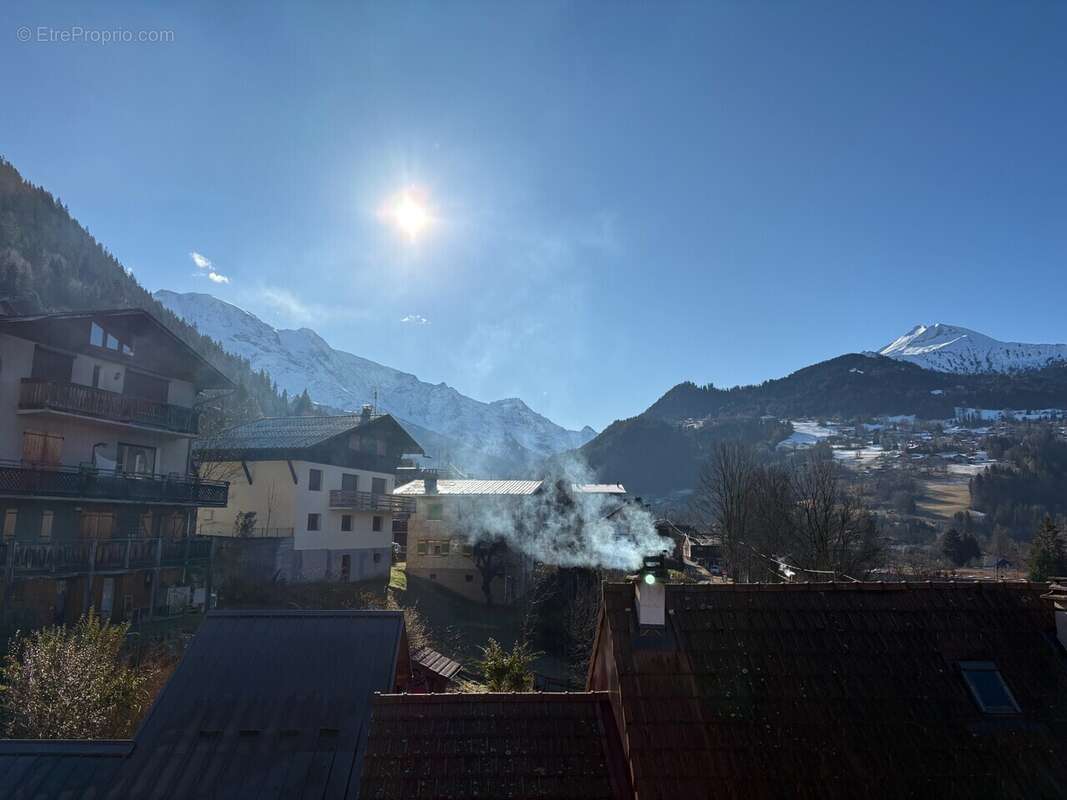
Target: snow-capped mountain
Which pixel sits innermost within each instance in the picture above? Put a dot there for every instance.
(948, 348)
(505, 435)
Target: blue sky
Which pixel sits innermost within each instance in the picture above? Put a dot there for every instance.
(625, 196)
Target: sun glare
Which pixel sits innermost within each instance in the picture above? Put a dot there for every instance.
(408, 214)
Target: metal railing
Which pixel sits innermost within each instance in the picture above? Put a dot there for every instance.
(208, 529)
(47, 480)
(22, 559)
(74, 398)
(371, 501)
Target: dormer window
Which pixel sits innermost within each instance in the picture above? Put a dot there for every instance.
(98, 337)
(988, 687)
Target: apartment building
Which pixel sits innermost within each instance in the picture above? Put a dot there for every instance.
(97, 503)
(321, 487)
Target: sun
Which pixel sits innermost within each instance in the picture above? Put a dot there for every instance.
(409, 214)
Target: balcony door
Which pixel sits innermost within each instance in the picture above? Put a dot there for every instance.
(145, 387)
(50, 365)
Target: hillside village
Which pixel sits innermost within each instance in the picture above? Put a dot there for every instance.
(533, 401)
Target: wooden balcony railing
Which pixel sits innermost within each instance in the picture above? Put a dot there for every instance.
(73, 398)
(29, 559)
(371, 501)
(41, 480)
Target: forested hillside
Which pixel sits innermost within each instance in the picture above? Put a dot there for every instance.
(49, 262)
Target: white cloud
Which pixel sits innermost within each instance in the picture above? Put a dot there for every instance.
(201, 261)
(415, 319)
(204, 263)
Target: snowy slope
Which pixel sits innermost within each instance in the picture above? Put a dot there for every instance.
(507, 432)
(947, 348)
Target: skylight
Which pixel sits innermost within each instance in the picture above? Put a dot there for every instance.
(988, 688)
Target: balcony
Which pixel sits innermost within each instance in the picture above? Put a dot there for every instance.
(89, 483)
(99, 556)
(40, 394)
(369, 501)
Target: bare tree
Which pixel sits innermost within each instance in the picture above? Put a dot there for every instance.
(724, 499)
(490, 558)
(833, 530)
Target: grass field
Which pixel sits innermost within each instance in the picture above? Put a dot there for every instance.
(943, 498)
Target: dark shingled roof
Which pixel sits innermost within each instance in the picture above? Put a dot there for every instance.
(280, 434)
(836, 690)
(30, 769)
(546, 746)
(266, 704)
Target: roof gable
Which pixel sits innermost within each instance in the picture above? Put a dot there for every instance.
(448, 487)
(837, 690)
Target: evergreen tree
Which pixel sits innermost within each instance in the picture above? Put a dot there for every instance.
(969, 549)
(952, 547)
(1048, 555)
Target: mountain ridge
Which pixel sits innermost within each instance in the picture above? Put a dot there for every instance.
(953, 348)
(507, 432)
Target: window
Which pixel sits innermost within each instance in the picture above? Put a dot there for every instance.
(467, 549)
(46, 525)
(439, 548)
(468, 578)
(136, 459)
(349, 482)
(376, 524)
(377, 485)
(346, 522)
(11, 518)
(41, 448)
(96, 376)
(315, 480)
(112, 342)
(433, 576)
(420, 546)
(988, 688)
(346, 568)
(313, 521)
(96, 335)
(208, 515)
(433, 511)
(96, 524)
(377, 558)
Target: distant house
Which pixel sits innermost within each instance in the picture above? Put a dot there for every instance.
(322, 487)
(691, 546)
(445, 525)
(835, 690)
(97, 500)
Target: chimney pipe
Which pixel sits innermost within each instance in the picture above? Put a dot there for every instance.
(365, 413)
(651, 593)
(1057, 593)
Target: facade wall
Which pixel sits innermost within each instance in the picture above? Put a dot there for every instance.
(456, 571)
(267, 560)
(279, 503)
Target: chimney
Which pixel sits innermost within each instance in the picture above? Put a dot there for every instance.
(365, 413)
(430, 484)
(651, 593)
(1057, 593)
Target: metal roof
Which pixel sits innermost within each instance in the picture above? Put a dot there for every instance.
(470, 487)
(599, 488)
(33, 768)
(435, 662)
(266, 704)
